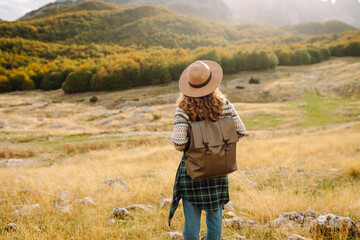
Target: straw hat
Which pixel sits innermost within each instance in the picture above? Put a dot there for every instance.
(200, 78)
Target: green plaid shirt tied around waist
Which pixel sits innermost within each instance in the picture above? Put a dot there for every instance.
(206, 194)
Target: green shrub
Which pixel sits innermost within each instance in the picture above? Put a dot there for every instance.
(228, 64)
(27, 84)
(94, 99)
(52, 80)
(300, 57)
(274, 61)
(131, 73)
(5, 84)
(337, 50)
(284, 58)
(154, 71)
(211, 55)
(325, 53)
(352, 49)
(315, 54)
(21, 81)
(177, 67)
(78, 81)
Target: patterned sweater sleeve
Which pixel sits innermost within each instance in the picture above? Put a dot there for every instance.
(240, 127)
(179, 137)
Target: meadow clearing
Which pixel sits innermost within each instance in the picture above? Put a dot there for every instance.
(302, 152)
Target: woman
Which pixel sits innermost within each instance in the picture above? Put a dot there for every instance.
(200, 99)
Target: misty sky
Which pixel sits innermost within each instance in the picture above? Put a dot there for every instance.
(13, 9)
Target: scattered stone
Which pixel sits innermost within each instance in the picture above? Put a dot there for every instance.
(27, 190)
(238, 236)
(14, 162)
(334, 170)
(300, 170)
(165, 202)
(245, 169)
(301, 105)
(229, 206)
(140, 207)
(119, 213)
(290, 220)
(111, 222)
(39, 118)
(327, 225)
(240, 223)
(62, 203)
(229, 215)
(25, 210)
(36, 228)
(115, 181)
(254, 81)
(11, 227)
(253, 184)
(86, 200)
(297, 237)
(59, 125)
(175, 235)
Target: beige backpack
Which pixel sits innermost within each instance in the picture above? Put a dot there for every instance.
(212, 149)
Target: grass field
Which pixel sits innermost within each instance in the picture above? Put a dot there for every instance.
(63, 142)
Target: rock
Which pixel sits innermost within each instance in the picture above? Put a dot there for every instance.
(25, 210)
(14, 162)
(252, 184)
(301, 105)
(27, 190)
(238, 236)
(39, 118)
(229, 215)
(175, 235)
(290, 220)
(62, 203)
(59, 125)
(334, 170)
(11, 227)
(229, 206)
(140, 207)
(297, 237)
(111, 222)
(240, 223)
(86, 200)
(300, 170)
(36, 228)
(119, 213)
(329, 224)
(115, 181)
(165, 202)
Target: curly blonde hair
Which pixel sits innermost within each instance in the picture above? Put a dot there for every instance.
(208, 107)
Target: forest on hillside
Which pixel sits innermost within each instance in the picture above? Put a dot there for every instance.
(108, 47)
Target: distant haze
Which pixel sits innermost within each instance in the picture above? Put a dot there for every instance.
(280, 12)
(277, 12)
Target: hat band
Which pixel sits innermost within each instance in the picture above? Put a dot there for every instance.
(201, 85)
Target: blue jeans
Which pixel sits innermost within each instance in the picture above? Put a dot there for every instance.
(192, 223)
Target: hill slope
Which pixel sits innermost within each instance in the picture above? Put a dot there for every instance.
(215, 10)
(146, 25)
(314, 28)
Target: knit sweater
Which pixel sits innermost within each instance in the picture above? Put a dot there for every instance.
(179, 137)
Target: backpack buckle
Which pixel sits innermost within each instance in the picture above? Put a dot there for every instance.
(208, 150)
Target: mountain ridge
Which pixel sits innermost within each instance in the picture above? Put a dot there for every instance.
(213, 10)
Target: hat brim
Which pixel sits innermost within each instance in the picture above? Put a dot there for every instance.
(217, 75)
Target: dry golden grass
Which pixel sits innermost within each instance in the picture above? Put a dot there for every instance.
(149, 170)
(68, 143)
